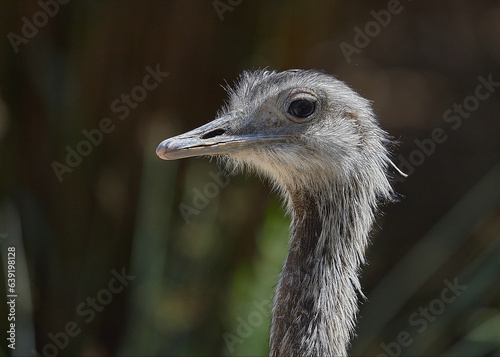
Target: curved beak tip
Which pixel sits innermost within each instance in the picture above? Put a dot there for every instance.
(161, 150)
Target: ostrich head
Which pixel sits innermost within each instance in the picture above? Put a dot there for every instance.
(302, 128)
(319, 142)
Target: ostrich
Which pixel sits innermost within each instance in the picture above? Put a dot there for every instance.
(320, 145)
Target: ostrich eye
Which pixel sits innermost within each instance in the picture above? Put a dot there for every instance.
(301, 108)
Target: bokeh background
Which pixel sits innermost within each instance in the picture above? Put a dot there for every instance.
(203, 250)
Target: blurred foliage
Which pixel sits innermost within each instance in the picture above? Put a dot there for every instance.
(202, 286)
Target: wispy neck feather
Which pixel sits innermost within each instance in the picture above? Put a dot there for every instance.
(315, 304)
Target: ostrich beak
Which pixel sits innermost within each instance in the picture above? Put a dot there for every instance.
(214, 138)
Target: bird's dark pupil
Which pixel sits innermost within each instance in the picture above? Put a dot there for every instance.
(301, 108)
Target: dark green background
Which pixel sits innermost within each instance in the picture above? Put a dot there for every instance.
(201, 283)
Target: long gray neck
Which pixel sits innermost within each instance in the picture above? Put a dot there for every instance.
(315, 304)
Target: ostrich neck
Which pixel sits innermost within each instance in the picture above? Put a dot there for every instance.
(316, 299)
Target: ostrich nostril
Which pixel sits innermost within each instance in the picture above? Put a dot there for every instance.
(213, 133)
